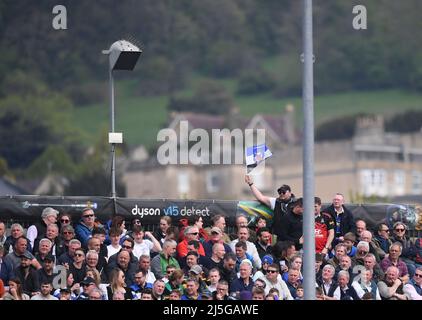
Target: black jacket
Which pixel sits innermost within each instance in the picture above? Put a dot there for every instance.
(346, 220)
(31, 283)
(281, 208)
(261, 251)
(291, 228)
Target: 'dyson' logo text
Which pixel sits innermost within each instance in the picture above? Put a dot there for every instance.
(146, 211)
(175, 211)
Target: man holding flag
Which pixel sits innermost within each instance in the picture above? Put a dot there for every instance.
(255, 157)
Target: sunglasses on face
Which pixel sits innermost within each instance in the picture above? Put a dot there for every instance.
(67, 232)
(194, 233)
(127, 247)
(399, 230)
(272, 271)
(88, 216)
(87, 284)
(418, 275)
(64, 220)
(79, 255)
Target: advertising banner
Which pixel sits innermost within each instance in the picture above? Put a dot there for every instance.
(28, 209)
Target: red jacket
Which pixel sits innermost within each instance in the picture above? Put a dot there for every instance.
(182, 249)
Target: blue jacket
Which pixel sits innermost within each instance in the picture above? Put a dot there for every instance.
(83, 233)
(239, 261)
(7, 272)
(238, 285)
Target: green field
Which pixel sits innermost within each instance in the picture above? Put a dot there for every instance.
(140, 118)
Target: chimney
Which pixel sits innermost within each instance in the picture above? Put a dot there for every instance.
(289, 124)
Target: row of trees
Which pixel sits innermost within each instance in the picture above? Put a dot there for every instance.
(343, 128)
(44, 72)
(39, 139)
(217, 38)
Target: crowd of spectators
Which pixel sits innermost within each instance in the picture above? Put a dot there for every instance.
(61, 259)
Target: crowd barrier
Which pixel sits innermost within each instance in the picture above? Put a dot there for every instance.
(27, 209)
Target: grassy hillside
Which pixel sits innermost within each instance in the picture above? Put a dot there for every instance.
(140, 118)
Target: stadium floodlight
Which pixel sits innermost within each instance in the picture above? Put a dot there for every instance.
(122, 55)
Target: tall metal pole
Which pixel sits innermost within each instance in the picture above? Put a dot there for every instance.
(113, 147)
(308, 155)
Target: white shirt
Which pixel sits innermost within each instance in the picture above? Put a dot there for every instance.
(40, 297)
(411, 292)
(143, 248)
(327, 286)
(112, 250)
(251, 249)
(150, 278)
(281, 286)
(32, 234)
(272, 202)
(259, 274)
(360, 289)
(212, 287)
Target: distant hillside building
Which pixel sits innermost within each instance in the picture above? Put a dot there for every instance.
(372, 163)
(150, 179)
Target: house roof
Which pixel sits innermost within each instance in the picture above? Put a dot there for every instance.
(276, 124)
(9, 188)
(199, 120)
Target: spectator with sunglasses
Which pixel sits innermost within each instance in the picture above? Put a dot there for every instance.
(191, 233)
(279, 205)
(135, 223)
(133, 262)
(408, 253)
(64, 220)
(67, 233)
(382, 238)
(272, 280)
(78, 266)
(84, 228)
(413, 289)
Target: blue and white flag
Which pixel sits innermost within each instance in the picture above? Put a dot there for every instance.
(256, 155)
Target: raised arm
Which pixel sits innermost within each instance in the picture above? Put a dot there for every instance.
(157, 245)
(257, 194)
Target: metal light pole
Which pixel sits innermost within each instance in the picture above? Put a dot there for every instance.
(308, 155)
(123, 55)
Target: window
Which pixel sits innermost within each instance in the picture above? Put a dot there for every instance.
(416, 182)
(373, 182)
(183, 185)
(213, 181)
(399, 183)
